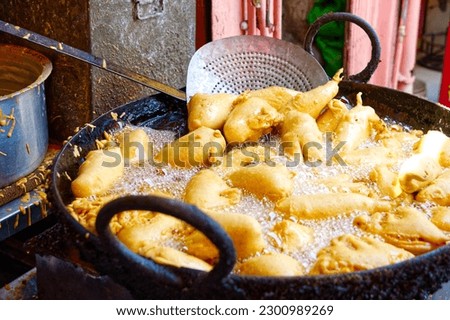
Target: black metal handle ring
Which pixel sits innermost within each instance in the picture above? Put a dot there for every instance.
(178, 209)
(368, 71)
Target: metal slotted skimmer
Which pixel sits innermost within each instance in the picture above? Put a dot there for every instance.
(240, 63)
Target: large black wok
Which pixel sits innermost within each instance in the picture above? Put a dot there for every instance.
(414, 278)
(145, 279)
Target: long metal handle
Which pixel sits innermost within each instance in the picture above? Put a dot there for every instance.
(90, 59)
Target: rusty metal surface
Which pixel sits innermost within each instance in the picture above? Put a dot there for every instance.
(159, 47)
(22, 288)
(58, 278)
(21, 213)
(158, 43)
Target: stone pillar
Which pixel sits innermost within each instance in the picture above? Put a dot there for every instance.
(153, 37)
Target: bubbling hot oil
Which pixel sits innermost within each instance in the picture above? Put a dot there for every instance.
(147, 177)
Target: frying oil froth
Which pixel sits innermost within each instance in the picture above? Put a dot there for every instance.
(147, 177)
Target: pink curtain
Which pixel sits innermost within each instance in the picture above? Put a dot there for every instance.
(396, 23)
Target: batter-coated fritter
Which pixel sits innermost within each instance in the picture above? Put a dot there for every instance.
(387, 181)
(149, 233)
(438, 191)
(357, 126)
(417, 172)
(441, 218)
(98, 172)
(134, 145)
(444, 158)
(193, 149)
(274, 264)
(208, 190)
(242, 157)
(209, 110)
(349, 253)
(245, 232)
(172, 257)
(432, 144)
(333, 114)
(263, 180)
(250, 119)
(315, 100)
(277, 97)
(323, 206)
(300, 135)
(406, 228)
(291, 237)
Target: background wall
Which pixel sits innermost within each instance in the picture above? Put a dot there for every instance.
(294, 19)
(436, 19)
(159, 46)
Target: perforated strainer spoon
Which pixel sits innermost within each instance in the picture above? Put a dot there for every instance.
(240, 63)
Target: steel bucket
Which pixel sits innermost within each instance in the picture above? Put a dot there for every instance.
(23, 114)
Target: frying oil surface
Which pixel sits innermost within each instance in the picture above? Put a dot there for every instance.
(150, 176)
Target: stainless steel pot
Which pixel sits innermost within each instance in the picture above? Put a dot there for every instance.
(23, 113)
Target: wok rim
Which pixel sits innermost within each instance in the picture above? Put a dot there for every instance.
(37, 58)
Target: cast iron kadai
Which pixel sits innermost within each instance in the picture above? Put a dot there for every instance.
(414, 278)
